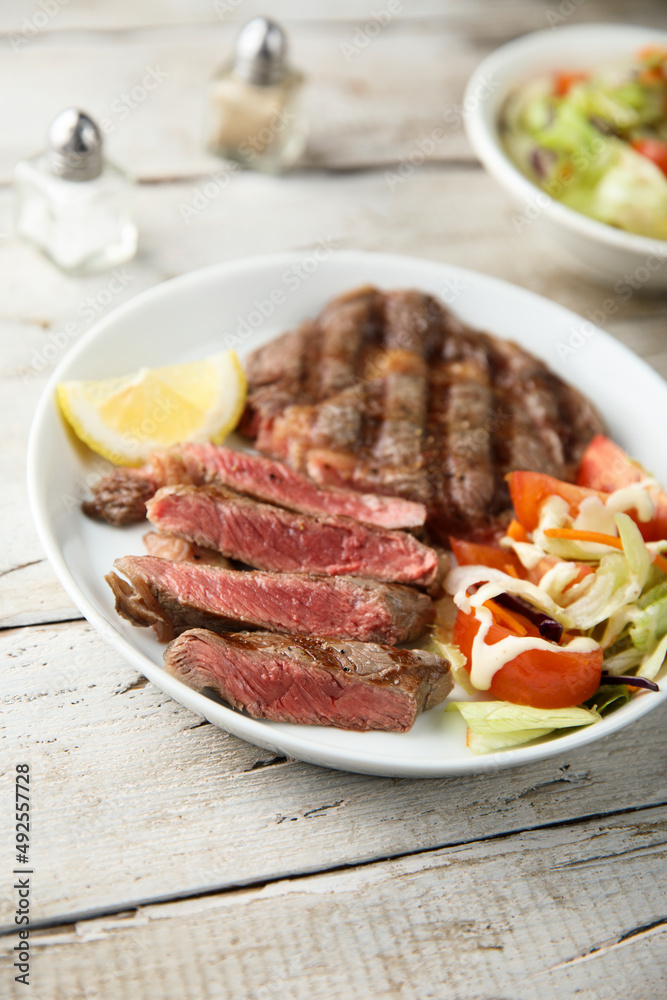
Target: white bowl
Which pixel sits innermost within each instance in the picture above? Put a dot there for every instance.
(603, 252)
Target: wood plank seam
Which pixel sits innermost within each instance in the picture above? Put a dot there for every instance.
(292, 878)
(628, 937)
(42, 624)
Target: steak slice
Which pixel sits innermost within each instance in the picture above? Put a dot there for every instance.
(421, 406)
(270, 538)
(172, 597)
(121, 496)
(351, 685)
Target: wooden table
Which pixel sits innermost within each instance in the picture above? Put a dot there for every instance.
(171, 860)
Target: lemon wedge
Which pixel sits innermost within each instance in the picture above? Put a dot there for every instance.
(126, 418)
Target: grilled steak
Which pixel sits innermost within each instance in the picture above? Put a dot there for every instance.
(175, 596)
(389, 392)
(121, 497)
(351, 685)
(274, 539)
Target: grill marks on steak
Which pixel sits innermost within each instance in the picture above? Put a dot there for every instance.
(273, 539)
(121, 497)
(172, 597)
(418, 405)
(312, 681)
(343, 330)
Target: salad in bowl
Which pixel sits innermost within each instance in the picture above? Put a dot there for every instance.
(572, 123)
(596, 139)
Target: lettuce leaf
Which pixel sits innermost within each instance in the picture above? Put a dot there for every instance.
(496, 725)
(619, 579)
(608, 695)
(457, 660)
(651, 665)
(650, 620)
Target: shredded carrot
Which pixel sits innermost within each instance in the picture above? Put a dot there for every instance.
(505, 617)
(600, 539)
(516, 531)
(585, 536)
(509, 569)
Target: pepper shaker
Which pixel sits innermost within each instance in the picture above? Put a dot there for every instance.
(71, 203)
(253, 102)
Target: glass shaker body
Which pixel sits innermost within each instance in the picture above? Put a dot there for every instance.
(83, 226)
(258, 125)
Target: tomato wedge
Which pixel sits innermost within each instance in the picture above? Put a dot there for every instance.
(606, 467)
(529, 490)
(541, 678)
(476, 554)
(653, 149)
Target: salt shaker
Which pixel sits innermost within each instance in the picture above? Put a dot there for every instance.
(253, 102)
(72, 203)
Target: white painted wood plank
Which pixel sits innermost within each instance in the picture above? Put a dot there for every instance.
(134, 799)
(470, 17)
(83, 15)
(29, 350)
(572, 911)
(150, 93)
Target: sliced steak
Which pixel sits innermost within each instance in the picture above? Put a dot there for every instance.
(421, 406)
(351, 685)
(172, 597)
(270, 538)
(121, 497)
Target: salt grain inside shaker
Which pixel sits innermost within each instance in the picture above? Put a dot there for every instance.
(253, 102)
(71, 203)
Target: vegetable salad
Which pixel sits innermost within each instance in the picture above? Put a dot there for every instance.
(566, 617)
(597, 141)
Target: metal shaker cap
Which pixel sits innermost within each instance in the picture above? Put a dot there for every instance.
(261, 52)
(74, 146)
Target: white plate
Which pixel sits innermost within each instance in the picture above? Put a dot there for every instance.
(248, 302)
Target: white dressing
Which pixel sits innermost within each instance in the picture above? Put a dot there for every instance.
(634, 497)
(487, 659)
(554, 513)
(594, 515)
